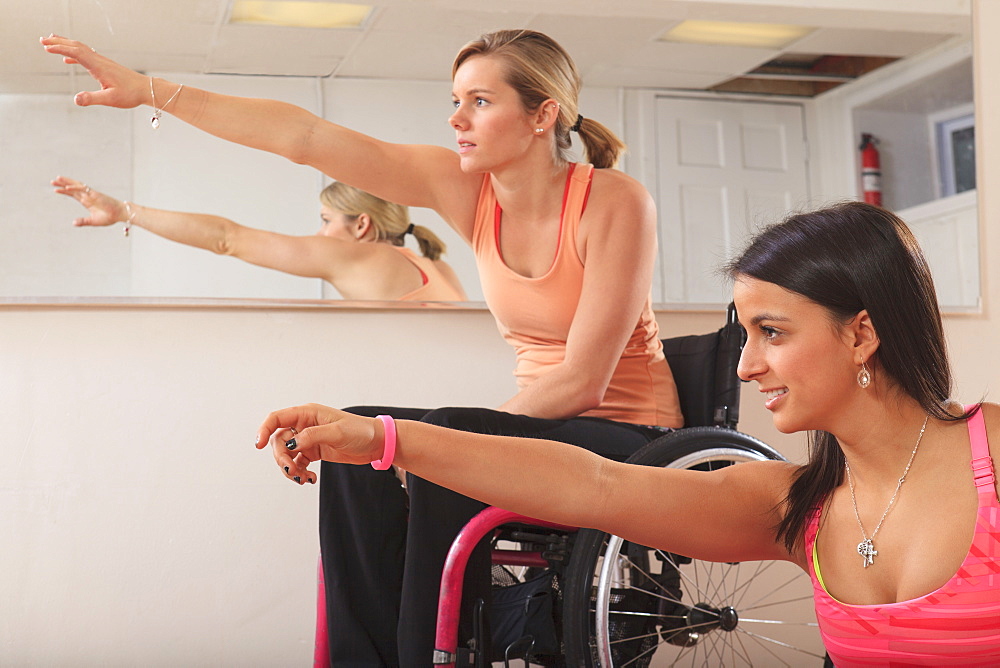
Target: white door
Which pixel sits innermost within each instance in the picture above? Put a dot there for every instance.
(723, 168)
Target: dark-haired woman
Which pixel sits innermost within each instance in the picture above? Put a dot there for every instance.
(896, 515)
(565, 253)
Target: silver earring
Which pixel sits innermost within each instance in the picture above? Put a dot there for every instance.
(864, 377)
(539, 131)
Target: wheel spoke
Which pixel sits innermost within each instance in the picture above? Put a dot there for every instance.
(745, 620)
(764, 639)
(693, 583)
(759, 568)
(798, 577)
(641, 654)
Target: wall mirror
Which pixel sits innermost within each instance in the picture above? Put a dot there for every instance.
(388, 76)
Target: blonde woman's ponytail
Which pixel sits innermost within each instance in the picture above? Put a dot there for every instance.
(430, 244)
(602, 147)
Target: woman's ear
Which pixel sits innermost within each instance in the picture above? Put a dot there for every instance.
(863, 336)
(363, 227)
(547, 115)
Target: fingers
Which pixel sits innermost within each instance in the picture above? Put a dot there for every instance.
(103, 209)
(120, 86)
(65, 181)
(70, 187)
(304, 475)
(297, 417)
(304, 434)
(71, 50)
(292, 462)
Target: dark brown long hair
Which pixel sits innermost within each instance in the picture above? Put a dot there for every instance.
(847, 258)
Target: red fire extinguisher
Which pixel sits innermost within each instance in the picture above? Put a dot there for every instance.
(871, 172)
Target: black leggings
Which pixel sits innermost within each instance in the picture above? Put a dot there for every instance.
(383, 549)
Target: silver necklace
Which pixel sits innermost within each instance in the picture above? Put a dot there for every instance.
(865, 548)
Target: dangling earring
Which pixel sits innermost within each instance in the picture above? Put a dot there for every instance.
(539, 131)
(864, 376)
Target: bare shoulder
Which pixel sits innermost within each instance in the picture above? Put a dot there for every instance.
(991, 413)
(991, 416)
(615, 193)
(614, 184)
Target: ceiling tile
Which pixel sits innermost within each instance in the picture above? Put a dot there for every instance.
(646, 77)
(866, 42)
(696, 58)
(245, 49)
(466, 22)
(378, 57)
(591, 40)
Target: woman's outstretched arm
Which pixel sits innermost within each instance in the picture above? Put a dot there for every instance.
(726, 515)
(312, 257)
(414, 175)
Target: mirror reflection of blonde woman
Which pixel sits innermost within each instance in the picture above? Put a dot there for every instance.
(359, 248)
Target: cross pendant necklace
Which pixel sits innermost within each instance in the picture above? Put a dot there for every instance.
(866, 548)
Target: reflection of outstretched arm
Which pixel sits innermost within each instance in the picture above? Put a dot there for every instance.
(313, 257)
(426, 176)
(725, 515)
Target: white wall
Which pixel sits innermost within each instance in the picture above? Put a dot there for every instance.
(139, 524)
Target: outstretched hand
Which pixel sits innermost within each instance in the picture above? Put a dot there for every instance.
(104, 210)
(120, 86)
(302, 435)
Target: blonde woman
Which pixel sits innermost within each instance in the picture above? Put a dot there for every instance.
(358, 250)
(565, 254)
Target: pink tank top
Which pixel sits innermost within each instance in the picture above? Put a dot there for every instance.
(436, 287)
(534, 314)
(956, 625)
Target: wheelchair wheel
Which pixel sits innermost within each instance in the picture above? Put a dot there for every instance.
(628, 605)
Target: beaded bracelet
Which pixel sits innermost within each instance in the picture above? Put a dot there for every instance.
(131, 217)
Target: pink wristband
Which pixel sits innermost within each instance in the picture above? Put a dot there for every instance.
(388, 444)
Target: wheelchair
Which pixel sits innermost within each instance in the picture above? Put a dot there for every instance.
(590, 599)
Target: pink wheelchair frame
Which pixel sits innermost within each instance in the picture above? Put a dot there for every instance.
(452, 580)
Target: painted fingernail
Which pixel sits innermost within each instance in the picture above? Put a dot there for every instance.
(286, 469)
(291, 444)
(297, 479)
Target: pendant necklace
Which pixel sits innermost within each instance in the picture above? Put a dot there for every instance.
(866, 548)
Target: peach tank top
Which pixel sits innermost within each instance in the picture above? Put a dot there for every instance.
(436, 287)
(534, 314)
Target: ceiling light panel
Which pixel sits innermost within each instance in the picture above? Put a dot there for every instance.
(300, 13)
(762, 35)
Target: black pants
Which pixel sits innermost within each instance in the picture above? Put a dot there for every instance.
(383, 549)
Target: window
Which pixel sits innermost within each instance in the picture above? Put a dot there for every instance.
(955, 143)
